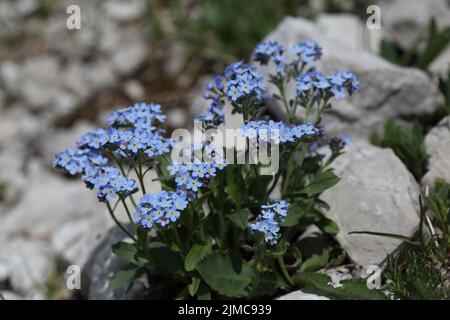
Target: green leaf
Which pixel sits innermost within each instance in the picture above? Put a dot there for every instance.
(240, 218)
(122, 277)
(128, 252)
(203, 292)
(323, 204)
(388, 235)
(351, 289)
(389, 52)
(321, 182)
(266, 285)
(227, 274)
(337, 261)
(165, 259)
(316, 262)
(278, 251)
(236, 187)
(327, 225)
(258, 186)
(295, 212)
(193, 286)
(197, 253)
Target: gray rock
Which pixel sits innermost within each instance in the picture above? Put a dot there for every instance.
(75, 241)
(176, 117)
(12, 13)
(177, 56)
(9, 295)
(300, 295)
(36, 81)
(376, 193)
(30, 263)
(406, 20)
(441, 65)
(47, 203)
(129, 56)
(350, 31)
(346, 27)
(4, 273)
(13, 179)
(58, 140)
(17, 129)
(101, 268)
(124, 11)
(134, 90)
(100, 75)
(386, 90)
(73, 43)
(80, 63)
(437, 143)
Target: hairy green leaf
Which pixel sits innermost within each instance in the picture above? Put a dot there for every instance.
(355, 289)
(321, 182)
(227, 274)
(197, 253)
(240, 218)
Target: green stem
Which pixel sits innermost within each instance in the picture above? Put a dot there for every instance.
(284, 270)
(274, 184)
(141, 176)
(319, 111)
(303, 155)
(178, 239)
(119, 164)
(141, 181)
(308, 113)
(127, 210)
(111, 212)
(282, 92)
(245, 112)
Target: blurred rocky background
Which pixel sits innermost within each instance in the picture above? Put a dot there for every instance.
(55, 84)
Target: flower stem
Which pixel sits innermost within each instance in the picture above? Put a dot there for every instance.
(141, 176)
(284, 270)
(119, 164)
(274, 184)
(127, 210)
(111, 213)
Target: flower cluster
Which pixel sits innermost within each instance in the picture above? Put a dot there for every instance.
(76, 160)
(308, 52)
(242, 81)
(140, 115)
(276, 132)
(314, 83)
(214, 116)
(129, 142)
(192, 176)
(269, 219)
(110, 183)
(108, 180)
(268, 51)
(130, 131)
(161, 208)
